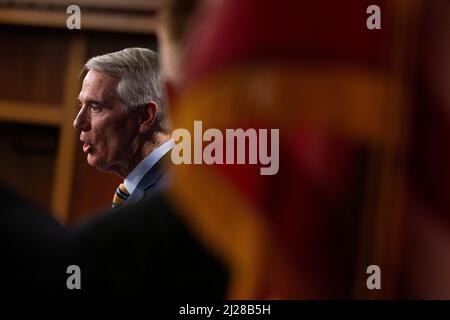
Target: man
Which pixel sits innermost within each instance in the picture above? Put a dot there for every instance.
(123, 123)
(143, 250)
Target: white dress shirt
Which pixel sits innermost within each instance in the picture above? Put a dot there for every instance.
(135, 176)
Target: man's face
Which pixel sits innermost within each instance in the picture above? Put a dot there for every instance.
(107, 132)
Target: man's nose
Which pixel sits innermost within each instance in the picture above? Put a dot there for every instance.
(81, 121)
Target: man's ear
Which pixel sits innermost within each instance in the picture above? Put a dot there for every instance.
(147, 117)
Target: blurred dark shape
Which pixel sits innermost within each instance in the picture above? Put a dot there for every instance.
(35, 252)
(343, 100)
(427, 242)
(139, 251)
(145, 250)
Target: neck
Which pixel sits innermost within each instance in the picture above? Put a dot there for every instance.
(144, 149)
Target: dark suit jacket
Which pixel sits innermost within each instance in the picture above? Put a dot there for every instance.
(35, 251)
(145, 250)
(155, 180)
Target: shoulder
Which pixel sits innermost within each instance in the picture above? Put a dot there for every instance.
(149, 245)
(158, 177)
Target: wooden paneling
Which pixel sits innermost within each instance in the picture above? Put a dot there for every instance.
(26, 112)
(62, 184)
(32, 63)
(40, 80)
(117, 22)
(92, 190)
(26, 164)
(141, 5)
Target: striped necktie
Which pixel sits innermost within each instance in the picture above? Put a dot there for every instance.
(120, 196)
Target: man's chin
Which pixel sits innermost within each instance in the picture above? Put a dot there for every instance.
(95, 162)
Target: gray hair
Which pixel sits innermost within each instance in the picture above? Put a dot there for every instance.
(140, 81)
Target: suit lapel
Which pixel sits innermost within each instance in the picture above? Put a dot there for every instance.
(149, 179)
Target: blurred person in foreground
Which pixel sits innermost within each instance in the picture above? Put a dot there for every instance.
(427, 243)
(35, 251)
(339, 93)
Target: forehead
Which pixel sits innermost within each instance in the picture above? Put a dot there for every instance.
(98, 86)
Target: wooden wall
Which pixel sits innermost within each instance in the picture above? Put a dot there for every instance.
(40, 63)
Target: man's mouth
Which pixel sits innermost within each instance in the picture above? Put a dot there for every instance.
(86, 147)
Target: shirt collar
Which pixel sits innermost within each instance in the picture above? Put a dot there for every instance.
(135, 176)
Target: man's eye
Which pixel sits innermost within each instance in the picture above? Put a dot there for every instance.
(95, 108)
